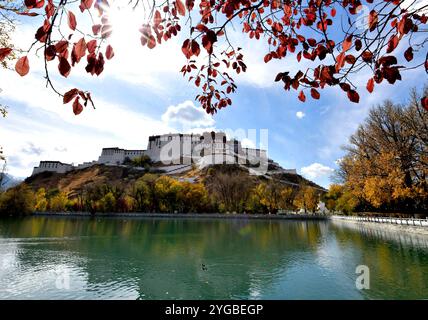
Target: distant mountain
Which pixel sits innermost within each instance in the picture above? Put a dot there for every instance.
(8, 181)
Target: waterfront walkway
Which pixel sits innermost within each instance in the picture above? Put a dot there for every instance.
(388, 220)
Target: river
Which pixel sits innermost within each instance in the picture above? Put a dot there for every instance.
(156, 258)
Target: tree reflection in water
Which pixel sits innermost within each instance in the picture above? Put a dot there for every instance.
(163, 258)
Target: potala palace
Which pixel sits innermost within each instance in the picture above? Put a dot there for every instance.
(176, 152)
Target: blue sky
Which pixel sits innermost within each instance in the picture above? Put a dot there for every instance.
(141, 93)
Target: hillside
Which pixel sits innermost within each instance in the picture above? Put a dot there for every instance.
(77, 180)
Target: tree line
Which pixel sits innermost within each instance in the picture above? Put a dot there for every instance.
(230, 191)
(385, 167)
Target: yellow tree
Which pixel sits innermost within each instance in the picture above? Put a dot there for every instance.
(193, 197)
(307, 199)
(140, 191)
(58, 202)
(17, 201)
(40, 200)
(386, 165)
(167, 189)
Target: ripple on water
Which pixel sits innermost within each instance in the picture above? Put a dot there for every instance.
(163, 260)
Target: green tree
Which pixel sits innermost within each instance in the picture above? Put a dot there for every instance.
(142, 161)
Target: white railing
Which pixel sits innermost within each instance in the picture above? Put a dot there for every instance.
(400, 221)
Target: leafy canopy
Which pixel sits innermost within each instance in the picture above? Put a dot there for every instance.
(328, 34)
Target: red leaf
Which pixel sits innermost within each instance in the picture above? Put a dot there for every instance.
(85, 4)
(72, 20)
(186, 49)
(424, 102)
(109, 52)
(367, 56)
(50, 9)
(50, 53)
(392, 43)
(195, 48)
(151, 43)
(358, 44)
(190, 4)
(79, 51)
(64, 67)
(61, 46)
(180, 7)
(99, 64)
(30, 4)
(409, 54)
(96, 29)
(350, 59)
(373, 19)
(91, 46)
(267, 58)
(157, 18)
(4, 52)
(22, 66)
(345, 87)
(387, 61)
(77, 107)
(208, 40)
(340, 61)
(302, 96)
(353, 96)
(69, 95)
(315, 94)
(333, 12)
(42, 32)
(370, 85)
(347, 43)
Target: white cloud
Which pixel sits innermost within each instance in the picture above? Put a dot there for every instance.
(187, 115)
(39, 126)
(300, 114)
(32, 149)
(316, 170)
(248, 143)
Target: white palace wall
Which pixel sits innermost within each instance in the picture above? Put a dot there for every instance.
(173, 149)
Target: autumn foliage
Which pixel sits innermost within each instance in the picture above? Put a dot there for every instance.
(326, 37)
(386, 165)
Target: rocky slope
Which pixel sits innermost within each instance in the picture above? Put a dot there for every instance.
(124, 176)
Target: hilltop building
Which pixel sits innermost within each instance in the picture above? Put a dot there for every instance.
(175, 149)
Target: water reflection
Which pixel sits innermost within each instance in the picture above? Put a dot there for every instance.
(163, 258)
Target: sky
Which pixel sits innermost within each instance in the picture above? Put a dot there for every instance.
(141, 93)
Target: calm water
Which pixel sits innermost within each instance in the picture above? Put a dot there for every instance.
(77, 258)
